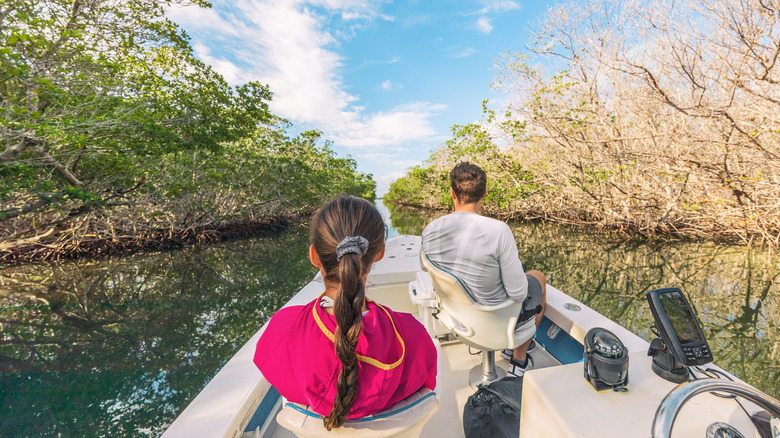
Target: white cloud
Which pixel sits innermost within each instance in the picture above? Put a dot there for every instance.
(288, 46)
(483, 25)
(191, 17)
(228, 70)
(496, 6)
(503, 6)
(417, 20)
(350, 15)
(402, 124)
(388, 85)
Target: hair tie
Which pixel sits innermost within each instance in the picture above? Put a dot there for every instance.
(351, 245)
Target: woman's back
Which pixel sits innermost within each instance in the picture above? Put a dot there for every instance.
(348, 357)
(396, 357)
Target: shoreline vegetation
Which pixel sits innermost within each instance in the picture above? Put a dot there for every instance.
(657, 119)
(116, 138)
(160, 241)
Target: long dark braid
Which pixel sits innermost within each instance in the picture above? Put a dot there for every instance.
(340, 218)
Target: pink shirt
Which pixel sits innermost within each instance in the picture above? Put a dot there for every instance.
(297, 356)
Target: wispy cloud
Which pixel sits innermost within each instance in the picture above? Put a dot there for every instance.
(497, 6)
(293, 47)
(491, 7)
(416, 20)
(370, 62)
(455, 52)
(483, 25)
(354, 15)
(389, 85)
(230, 71)
(503, 5)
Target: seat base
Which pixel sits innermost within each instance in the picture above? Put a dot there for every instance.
(476, 376)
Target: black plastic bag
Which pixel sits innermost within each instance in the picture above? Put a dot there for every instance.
(494, 410)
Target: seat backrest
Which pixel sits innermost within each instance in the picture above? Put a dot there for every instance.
(446, 284)
(480, 326)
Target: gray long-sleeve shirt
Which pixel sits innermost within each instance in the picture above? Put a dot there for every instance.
(482, 252)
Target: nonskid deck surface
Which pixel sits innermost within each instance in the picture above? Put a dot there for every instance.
(457, 361)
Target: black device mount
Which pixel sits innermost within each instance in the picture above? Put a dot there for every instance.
(664, 363)
(680, 341)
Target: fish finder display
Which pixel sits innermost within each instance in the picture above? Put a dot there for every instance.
(678, 327)
(685, 327)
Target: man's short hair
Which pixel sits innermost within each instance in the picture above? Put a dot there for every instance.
(468, 181)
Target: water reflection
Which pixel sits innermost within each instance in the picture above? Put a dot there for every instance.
(120, 347)
(407, 220)
(735, 290)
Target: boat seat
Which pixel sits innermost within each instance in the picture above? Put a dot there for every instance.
(487, 328)
(406, 419)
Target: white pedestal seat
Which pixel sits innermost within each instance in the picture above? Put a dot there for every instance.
(487, 328)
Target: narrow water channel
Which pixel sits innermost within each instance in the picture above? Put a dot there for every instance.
(119, 347)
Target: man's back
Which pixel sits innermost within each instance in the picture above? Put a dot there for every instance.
(481, 251)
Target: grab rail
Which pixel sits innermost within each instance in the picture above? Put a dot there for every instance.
(671, 404)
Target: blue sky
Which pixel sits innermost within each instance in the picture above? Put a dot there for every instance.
(384, 80)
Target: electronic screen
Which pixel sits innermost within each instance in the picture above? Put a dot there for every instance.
(678, 327)
(685, 327)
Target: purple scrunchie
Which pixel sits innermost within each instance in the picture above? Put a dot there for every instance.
(352, 245)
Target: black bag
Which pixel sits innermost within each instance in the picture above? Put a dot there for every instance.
(494, 410)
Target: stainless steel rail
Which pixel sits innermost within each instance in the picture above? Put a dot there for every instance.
(671, 404)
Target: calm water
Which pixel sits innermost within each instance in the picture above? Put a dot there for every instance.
(119, 347)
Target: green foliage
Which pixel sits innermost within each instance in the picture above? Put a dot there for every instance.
(104, 106)
(421, 186)
(266, 174)
(508, 180)
(99, 87)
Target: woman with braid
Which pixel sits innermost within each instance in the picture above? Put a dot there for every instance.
(342, 354)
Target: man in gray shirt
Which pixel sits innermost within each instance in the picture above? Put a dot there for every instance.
(482, 252)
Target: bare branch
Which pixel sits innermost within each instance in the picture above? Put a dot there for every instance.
(49, 160)
(21, 242)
